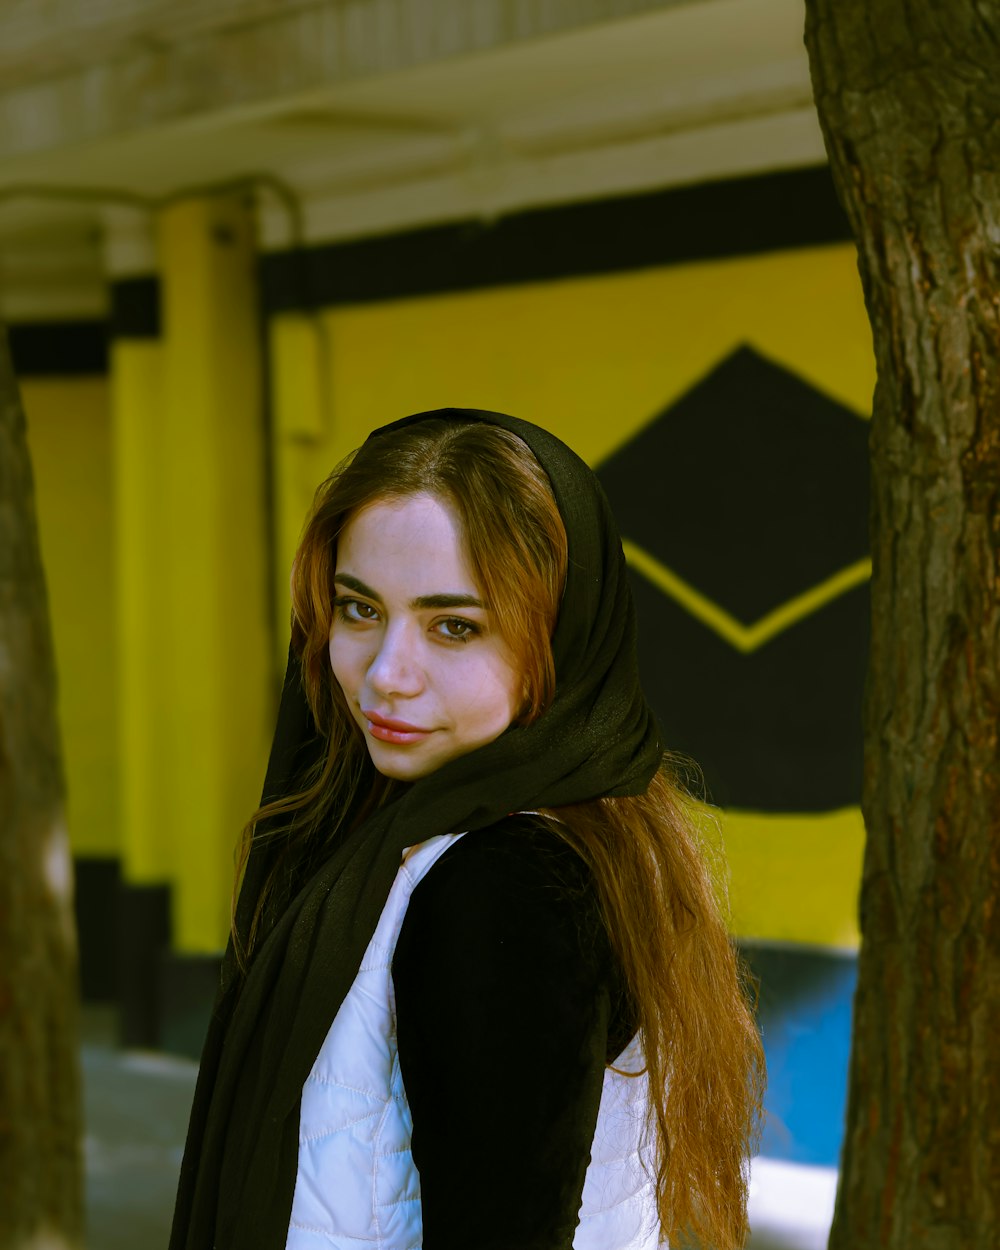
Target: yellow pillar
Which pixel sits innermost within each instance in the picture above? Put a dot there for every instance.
(141, 542)
(217, 663)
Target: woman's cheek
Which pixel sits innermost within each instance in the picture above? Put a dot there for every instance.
(339, 653)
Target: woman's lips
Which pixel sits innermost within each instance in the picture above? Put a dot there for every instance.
(387, 729)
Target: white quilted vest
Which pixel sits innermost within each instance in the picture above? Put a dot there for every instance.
(355, 1123)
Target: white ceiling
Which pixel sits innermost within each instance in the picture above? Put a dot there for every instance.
(692, 91)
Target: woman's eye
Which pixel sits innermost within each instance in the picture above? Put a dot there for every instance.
(455, 629)
(354, 609)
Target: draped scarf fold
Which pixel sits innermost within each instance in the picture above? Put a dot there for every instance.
(597, 738)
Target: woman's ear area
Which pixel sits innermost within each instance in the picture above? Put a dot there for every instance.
(524, 714)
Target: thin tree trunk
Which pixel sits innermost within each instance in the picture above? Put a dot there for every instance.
(908, 95)
(40, 1169)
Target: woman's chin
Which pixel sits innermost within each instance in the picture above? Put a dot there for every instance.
(411, 762)
(402, 763)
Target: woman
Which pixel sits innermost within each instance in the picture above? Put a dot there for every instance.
(479, 993)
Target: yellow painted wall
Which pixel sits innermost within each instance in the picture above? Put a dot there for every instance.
(70, 442)
(594, 359)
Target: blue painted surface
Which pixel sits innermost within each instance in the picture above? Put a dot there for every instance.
(804, 1013)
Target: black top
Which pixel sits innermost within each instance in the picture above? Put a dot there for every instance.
(509, 1004)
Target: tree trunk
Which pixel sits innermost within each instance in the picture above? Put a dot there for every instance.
(908, 95)
(41, 1204)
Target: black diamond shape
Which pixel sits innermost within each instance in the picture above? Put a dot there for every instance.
(753, 487)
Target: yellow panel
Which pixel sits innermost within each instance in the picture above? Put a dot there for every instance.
(70, 443)
(298, 350)
(795, 877)
(597, 358)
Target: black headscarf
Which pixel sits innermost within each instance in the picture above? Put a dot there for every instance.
(597, 738)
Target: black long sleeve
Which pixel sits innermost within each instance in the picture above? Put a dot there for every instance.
(508, 1007)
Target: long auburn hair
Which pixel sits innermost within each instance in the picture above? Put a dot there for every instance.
(661, 899)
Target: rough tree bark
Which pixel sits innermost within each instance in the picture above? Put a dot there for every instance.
(908, 95)
(41, 1205)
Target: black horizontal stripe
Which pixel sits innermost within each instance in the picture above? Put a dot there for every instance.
(59, 348)
(734, 217)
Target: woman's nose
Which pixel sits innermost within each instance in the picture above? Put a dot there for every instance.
(394, 670)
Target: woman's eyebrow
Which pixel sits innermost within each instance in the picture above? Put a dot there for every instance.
(424, 601)
(447, 601)
(357, 585)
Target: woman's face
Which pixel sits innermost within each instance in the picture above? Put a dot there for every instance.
(412, 645)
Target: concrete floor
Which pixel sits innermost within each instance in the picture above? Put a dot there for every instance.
(136, 1107)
